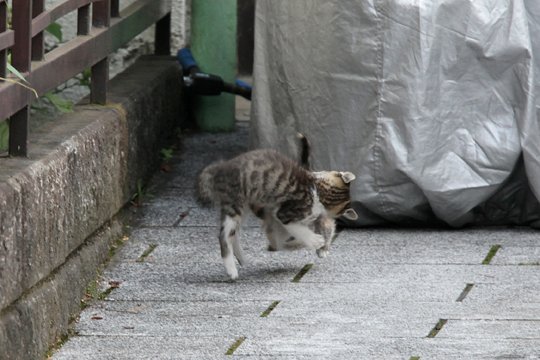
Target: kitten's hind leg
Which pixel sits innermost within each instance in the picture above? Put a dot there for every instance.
(263, 214)
(237, 249)
(272, 232)
(228, 241)
(275, 233)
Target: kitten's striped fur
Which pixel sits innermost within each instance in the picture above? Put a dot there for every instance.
(298, 207)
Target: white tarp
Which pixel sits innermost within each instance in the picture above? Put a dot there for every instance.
(434, 105)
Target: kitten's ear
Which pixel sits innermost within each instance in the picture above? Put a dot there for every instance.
(347, 176)
(350, 214)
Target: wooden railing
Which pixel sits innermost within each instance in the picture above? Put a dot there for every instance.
(101, 29)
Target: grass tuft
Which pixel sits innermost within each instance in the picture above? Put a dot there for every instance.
(437, 328)
(236, 345)
(301, 273)
(491, 254)
(147, 252)
(270, 309)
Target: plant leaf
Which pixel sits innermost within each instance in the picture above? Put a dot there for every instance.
(55, 29)
(85, 80)
(62, 105)
(4, 135)
(16, 72)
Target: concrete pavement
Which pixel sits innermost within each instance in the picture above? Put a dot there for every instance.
(381, 293)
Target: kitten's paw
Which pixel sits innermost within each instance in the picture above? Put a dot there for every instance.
(316, 242)
(230, 267)
(233, 274)
(322, 252)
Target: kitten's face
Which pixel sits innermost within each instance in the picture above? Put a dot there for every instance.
(333, 188)
(339, 179)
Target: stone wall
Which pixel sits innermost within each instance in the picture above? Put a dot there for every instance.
(58, 208)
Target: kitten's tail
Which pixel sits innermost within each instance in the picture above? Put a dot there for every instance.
(305, 150)
(205, 184)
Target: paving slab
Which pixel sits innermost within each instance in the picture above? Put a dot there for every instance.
(382, 293)
(484, 349)
(389, 348)
(123, 347)
(491, 329)
(506, 237)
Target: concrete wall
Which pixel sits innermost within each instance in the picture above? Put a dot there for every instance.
(58, 208)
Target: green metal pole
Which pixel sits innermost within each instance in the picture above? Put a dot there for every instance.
(213, 44)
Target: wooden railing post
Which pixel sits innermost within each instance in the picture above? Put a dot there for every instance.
(21, 60)
(3, 27)
(83, 20)
(38, 6)
(22, 25)
(101, 17)
(115, 8)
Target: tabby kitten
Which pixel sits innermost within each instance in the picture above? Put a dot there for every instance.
(279, 238)
(298, 207)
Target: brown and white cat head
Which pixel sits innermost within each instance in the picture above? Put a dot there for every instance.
(333, 188)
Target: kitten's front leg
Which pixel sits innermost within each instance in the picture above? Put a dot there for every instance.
(293, 216)
(278, 237)
(325, 226)
(303, 233)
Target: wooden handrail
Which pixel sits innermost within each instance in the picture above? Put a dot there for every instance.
(40, 22)
(111, 29)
